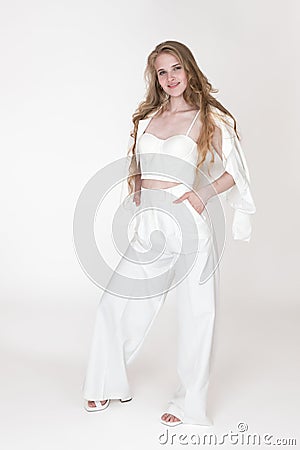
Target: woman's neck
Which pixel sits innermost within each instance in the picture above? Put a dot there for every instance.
(177, 104)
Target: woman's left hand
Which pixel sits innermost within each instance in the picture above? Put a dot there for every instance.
(197, 201)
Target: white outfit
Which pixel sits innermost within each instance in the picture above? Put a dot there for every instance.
(122, 324)
(233, 161)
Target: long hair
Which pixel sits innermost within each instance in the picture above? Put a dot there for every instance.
(198, 93)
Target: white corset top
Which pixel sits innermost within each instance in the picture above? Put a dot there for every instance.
(152, 154)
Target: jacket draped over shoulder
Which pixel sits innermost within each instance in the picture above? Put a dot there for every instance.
(233, 161)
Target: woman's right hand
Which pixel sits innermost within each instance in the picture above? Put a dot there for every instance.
(137, 198)
(137, 189)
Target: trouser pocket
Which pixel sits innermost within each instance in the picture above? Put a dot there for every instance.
(201, 221)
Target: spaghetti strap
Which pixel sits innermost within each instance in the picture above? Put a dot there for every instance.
(188, 131)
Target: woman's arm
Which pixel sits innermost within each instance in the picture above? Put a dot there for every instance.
(199, 199)
(137, 189)
(225, 181)
(221, 184)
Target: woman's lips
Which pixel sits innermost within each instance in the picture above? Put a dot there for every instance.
(173, 86)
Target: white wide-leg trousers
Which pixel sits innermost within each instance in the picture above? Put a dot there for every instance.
(122, 324)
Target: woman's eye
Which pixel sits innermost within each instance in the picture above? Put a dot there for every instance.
(163, 71)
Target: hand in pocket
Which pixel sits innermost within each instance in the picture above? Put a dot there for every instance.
(194, 200)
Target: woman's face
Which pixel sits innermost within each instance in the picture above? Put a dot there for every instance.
(170, 74)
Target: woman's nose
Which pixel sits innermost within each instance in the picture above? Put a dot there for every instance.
(170, 76)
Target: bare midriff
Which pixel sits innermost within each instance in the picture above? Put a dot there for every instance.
(157, 184)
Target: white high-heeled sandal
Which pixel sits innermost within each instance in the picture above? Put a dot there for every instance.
(171, 423)
(99, 406)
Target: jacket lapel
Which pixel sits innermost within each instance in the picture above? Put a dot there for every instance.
(143, 124)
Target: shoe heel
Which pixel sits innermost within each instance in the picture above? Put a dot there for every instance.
(124, 400)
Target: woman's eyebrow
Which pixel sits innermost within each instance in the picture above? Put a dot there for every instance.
(171, 66)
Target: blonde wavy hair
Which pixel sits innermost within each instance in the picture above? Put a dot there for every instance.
(198, 93)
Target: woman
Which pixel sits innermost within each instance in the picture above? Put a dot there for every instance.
(178, 126)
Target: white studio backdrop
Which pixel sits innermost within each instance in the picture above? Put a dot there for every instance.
(71, 76)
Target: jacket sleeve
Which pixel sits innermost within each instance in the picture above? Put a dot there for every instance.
(238, 196)
(130, 144)
(126, 200)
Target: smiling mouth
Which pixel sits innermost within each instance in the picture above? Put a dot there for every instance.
(173, 85)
